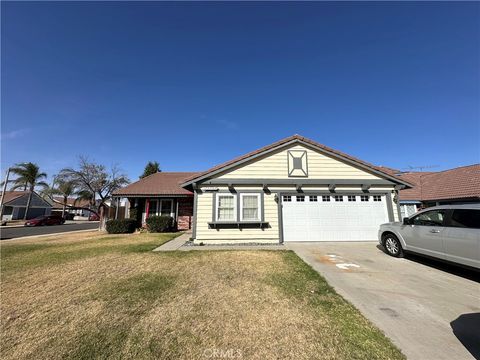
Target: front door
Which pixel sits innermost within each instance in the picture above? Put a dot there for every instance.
(166, 207)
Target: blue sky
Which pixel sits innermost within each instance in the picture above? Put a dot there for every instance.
(195, 84)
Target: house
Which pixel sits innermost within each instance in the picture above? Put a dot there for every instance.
(75, 207)
(460, 185)
(160, 194)
(15, 203)
(293, 190)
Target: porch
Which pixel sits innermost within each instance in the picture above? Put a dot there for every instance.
(179, 208)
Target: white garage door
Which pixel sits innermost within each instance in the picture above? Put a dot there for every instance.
(333, 217)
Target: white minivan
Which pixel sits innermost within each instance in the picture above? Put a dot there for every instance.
(447, 232)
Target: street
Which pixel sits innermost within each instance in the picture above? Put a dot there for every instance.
(16, 232)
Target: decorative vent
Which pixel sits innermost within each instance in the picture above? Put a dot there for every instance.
(297, 163)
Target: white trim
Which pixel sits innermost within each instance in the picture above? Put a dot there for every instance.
(259, 206)
(217, 201)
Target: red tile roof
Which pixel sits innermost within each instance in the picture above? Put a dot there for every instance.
(284, 141)
(458, 183)
(162, 183)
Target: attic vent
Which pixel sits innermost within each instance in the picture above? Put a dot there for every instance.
(297, 163)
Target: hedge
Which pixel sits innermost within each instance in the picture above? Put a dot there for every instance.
(159, 223)
(121, 226)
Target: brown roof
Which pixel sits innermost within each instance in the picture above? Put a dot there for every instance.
(12, 195)
(70, 201)
(458, 183)
(287, 140)
(161, 183)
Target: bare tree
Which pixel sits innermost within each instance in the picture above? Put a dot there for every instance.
(95, 182)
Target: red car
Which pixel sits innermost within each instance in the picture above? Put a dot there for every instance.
(45, 220)
(93, 217)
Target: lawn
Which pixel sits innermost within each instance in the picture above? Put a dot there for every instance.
(102, 296)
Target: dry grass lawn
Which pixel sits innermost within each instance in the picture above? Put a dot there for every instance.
(101, 296)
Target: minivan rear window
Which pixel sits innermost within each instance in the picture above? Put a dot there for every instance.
(466, 218)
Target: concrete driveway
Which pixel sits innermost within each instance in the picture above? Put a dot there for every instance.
(429, 310)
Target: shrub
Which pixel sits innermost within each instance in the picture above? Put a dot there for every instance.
(121, 226)
(159, 223)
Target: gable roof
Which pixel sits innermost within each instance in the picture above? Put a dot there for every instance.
(11, 196)
(295, 139)
(458, 183)
(161, 183)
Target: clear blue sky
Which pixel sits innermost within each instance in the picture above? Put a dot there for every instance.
(193, 85)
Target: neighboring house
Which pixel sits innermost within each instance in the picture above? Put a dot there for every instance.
(161, 194)
(454, 186)
(74, 207)
(293, 190)
(15, 203)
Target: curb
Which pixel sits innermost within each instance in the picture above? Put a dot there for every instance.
(46, 235)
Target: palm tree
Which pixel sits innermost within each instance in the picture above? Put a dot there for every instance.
(65, 189)
(28, 177)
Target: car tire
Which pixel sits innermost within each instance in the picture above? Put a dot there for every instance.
(392, 245)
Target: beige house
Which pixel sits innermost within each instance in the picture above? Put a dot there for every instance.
(292, 190)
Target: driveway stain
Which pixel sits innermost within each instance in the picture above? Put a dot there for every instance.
(390, 312)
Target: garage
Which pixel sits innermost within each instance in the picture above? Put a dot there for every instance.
(338, 217)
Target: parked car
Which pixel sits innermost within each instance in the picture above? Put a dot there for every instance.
(45, 220)
(93, 217)
(449, 232)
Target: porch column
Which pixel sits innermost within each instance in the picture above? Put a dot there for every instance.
(147, 208)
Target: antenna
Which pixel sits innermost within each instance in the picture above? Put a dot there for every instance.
(420, 168)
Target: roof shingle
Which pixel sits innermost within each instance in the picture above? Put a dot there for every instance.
(161, 183)
(458, 183)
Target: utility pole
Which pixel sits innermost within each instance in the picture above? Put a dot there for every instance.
(3, 193)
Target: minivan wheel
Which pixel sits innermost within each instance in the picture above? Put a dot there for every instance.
(392, 245)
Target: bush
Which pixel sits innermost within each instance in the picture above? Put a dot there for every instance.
(136, 215)
(159, 223)
(121, 226)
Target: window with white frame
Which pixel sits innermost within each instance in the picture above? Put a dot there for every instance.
(313, 198)
(338, 198)
(352, 198)
(300, 198)
(364, 198)
(250, 207)
(226, 207)
(377, 198)
(287, 198)
(325, 198)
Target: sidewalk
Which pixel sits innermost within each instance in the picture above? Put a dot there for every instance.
(174, 244)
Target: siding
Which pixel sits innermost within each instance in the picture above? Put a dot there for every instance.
(270, 235)
(275, 166)
(204, 216)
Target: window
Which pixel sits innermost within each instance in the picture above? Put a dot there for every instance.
(352, 198)
(226, 207)
(363, 197)
(377, 198)
(430, 218)
(166, 207)
(301, 198)
(338, 198)
(466, 218)
(152, 208)
(325, 198)
(313, 198)
(287, 198)
(250, 207)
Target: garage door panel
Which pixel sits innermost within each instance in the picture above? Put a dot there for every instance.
(333, 220)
